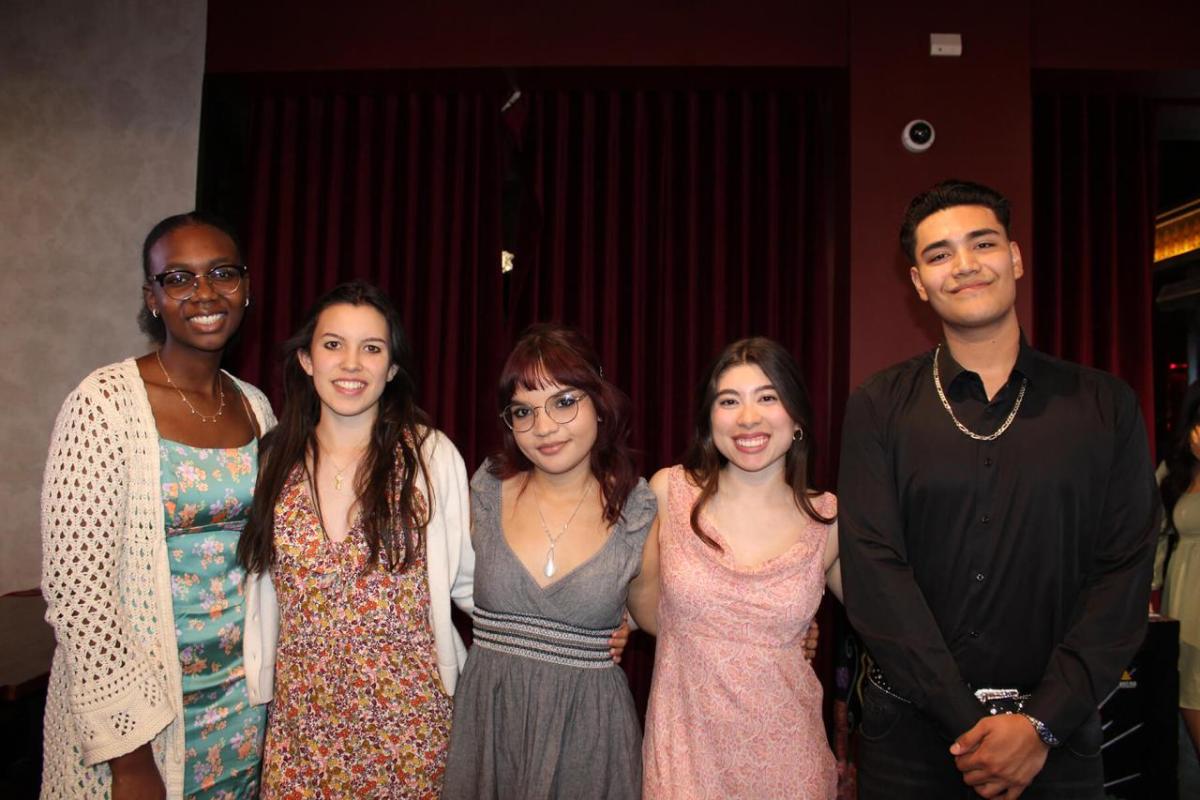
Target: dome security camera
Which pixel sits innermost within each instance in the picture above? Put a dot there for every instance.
(917, 136)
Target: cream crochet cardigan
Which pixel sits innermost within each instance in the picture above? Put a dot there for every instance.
(115, 683)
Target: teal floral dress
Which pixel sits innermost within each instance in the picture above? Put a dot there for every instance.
(206, 494)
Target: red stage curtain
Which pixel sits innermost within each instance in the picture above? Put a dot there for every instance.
(667, 223)
(1093, 178)
(396, 186)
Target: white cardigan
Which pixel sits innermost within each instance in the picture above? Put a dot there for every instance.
(450, 564)
(115, 682)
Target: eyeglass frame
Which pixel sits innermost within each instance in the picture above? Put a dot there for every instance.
(242, 271)
(504, 415)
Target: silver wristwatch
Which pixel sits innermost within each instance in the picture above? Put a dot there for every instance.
(1045, 734)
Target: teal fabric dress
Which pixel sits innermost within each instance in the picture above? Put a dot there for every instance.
(206, 496)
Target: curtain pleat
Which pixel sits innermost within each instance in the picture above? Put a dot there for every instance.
(1093, 173)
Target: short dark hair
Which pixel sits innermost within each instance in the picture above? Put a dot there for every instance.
(151, 325)
(947, 194)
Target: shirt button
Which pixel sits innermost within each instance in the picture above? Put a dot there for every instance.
(987, 462)
(973, 634)
(985, 519)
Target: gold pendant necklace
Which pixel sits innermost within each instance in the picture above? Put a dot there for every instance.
(188, 403)
(339, 472)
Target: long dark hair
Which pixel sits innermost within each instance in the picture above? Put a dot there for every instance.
(703, 461)
(1181, 463)
(547, 354)
(393, 521)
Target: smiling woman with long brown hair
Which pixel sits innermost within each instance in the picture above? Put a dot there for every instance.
(361, 520)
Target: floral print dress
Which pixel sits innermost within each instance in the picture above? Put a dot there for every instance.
(359, 708)
(206, 496)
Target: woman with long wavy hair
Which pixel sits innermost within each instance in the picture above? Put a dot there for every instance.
(746, 550)
(1179, 482)
(360, 519)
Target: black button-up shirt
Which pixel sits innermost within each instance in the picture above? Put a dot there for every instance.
(1022, 562)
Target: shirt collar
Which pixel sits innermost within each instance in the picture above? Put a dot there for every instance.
(1026, 366)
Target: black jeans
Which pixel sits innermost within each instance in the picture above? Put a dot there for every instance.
(904, 754)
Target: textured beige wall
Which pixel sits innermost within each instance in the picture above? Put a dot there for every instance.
(99, 126)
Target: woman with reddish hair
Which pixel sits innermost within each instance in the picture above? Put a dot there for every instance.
(564, 533)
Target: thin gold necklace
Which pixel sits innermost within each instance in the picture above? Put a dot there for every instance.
(183, 397)
(937, 384)
(549, 569)
(339, 474)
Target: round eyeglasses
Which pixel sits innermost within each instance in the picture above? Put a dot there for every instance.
(561, 407)
(180, 284)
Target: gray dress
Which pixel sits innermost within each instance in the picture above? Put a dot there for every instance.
(540, 710)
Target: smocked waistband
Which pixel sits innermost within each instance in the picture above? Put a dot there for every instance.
(543, 639)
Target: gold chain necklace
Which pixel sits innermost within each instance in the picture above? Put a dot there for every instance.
(550, 568)
(188, 403)
(937, 384)
(339, 474)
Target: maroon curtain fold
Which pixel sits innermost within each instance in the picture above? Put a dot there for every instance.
(396, 186)
(1093, 177)
(668, 223)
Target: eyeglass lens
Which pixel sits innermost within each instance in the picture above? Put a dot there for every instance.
(180, 284)
(561, 408)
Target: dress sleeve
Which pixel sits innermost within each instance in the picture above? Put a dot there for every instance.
(115, 694)
(1108, 622)
(884, 602)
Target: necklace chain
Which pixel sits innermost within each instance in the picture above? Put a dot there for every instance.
(937, 384)
(339, 474)
(550, 568)
(183, 397)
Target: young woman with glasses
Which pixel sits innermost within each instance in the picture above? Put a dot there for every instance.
(361, 520)
(563, 530)
(747, 548)
(147, 488)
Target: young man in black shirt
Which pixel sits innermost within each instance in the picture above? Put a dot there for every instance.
(998, 514)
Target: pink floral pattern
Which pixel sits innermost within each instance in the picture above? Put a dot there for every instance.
(735, 710)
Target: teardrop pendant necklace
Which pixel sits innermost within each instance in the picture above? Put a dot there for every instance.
(550, 568)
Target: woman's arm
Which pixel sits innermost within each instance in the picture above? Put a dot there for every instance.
(833, 564)
(643, 590)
